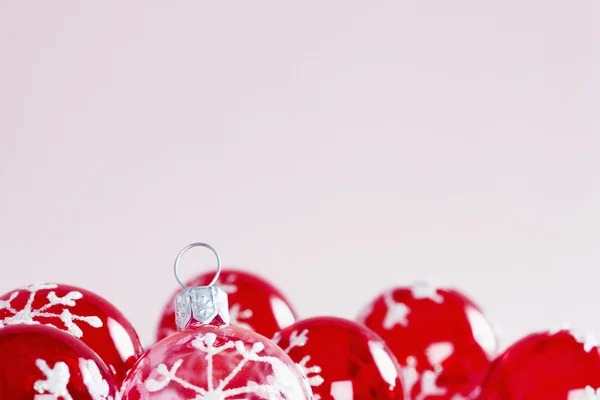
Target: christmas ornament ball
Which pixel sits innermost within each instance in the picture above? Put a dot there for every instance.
(209, 359)
(440, 337)
(42, 362)
(342, 359)
(562, 364)
(81, 313)
(215, 362)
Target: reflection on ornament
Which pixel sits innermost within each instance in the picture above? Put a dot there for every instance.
(587, 393)
(341, 390)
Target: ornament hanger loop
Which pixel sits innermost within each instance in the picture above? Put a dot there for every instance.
(186, 248)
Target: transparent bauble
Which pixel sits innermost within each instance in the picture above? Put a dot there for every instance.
(216, 363)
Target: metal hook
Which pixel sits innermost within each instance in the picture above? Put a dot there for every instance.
(199, 244)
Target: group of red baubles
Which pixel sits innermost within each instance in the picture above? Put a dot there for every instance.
(238, 337)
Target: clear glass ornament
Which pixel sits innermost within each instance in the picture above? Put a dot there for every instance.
(209, 359)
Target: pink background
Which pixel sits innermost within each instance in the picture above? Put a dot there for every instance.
(334, 147)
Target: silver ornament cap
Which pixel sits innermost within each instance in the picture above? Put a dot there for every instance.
(201, 305)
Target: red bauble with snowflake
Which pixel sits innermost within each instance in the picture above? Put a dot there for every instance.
(440, 337)
(209, 359)
(82, 314)
(255, 304)
(342, 359)
(42, 362)
(561, 365)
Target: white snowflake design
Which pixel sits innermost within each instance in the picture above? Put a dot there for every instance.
(436, 354)
(27, 315)
(311, 373)
(588, 393)
(58, 377)
(586, 338)
(237, 316)
(397, 312)
(274, 389)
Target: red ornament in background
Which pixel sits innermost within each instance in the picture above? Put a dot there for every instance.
(81, 313)
(441, 338)
(561, 365)
(42, 362)
(342, 359)
(209, 359)
(255, 304)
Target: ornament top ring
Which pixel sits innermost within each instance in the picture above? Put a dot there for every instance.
(200, 305)
(186, 248)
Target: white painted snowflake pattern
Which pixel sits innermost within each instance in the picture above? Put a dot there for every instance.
(311, 373)
(425, 290)
(280, 384)
(397, 312)
(587, 393)
(28, 314)
(586, 338)
(238, 317)
(228, 285)
(57, 379)
(436, 354)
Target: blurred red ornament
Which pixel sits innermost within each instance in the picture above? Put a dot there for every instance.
(255, 304)
(42, 362)
(81, 313)
(441, 338)
(558, 365)
(208, 359)
(342, 359)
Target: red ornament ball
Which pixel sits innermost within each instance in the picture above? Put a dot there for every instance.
(81, 313)
(561, 365)
(254, 304)
(342, 359)
(218, 363)
(440, 337)
(42, 362)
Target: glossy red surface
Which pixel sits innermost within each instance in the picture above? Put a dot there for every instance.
(439, 336)
(550, 366)
(343, 360)
(38, 359)
(83, 314)
(215, 363)
(254, 303)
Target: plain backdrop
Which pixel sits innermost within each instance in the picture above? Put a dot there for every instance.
(335, 148)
